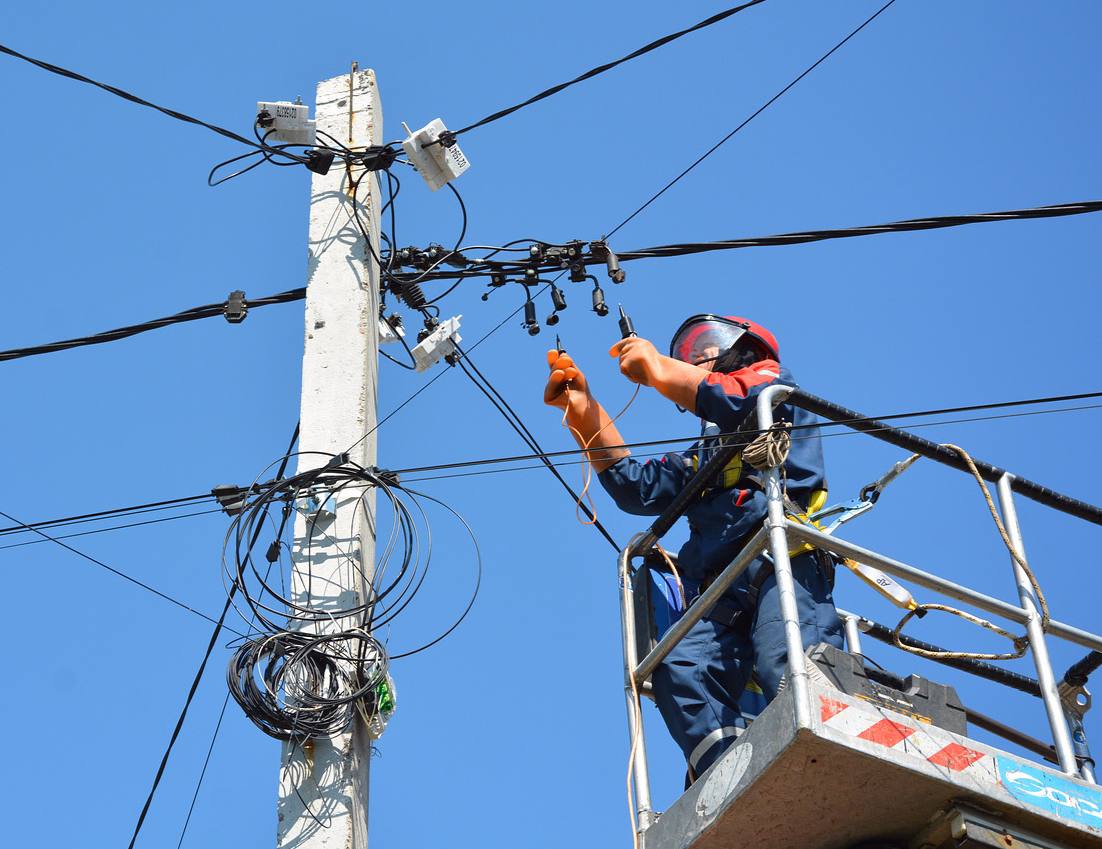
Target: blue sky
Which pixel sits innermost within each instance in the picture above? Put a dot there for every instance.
(511, 732)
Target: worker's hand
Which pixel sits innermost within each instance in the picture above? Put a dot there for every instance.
(640, 361)
(566, 387)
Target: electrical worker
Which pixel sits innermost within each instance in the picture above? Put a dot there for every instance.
(716, 367)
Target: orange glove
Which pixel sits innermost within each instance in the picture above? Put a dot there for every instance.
(564, 376)
(640, 361)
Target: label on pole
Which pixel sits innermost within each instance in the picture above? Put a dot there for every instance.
(1053, 793)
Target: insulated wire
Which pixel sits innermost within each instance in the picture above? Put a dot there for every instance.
(906, 226)
(846, 422)
(518, 425)
(151, 507)
(600, 69)
(193, 314)
(112, 528)
(125, 95)
(114, 571)
(754, 115)
(794, 439)
(202, 667)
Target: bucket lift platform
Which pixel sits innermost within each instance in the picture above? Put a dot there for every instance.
(823, 769)
(863, 773)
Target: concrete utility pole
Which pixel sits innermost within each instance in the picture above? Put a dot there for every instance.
(325, 780)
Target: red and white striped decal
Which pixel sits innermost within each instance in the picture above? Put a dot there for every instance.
(894, 731)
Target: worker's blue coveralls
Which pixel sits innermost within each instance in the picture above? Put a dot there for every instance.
(697, 687)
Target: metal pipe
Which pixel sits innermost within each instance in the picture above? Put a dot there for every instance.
(933, 451)
(853, 635)
(897, 569)
(782, 566)
(1037, 644)
(700, 608)
(1079, 743)
(644, 807)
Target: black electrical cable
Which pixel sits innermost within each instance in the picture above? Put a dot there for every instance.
(518, 425)
(193, 314)
(112, 570)
(835, 434)
(906, 226)
(219, 625)
(125, 95)
(203, 771)
(298, 684)
(114, 528)
(840, 423)
(909, 225)
(754, 115)
(600, 69)
(150, 507)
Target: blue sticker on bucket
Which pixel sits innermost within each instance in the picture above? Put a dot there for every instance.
(1060, 796)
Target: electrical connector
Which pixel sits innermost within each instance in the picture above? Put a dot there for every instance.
(390, 329)
(441, 342)
(437, 164)
(289, 122)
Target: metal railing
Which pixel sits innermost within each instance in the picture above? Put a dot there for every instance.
(1064, 703)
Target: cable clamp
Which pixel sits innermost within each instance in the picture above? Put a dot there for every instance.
(377, 157)
(230, 497)
(388, 477)
(337, 460)
(236, 307)
(320, 161)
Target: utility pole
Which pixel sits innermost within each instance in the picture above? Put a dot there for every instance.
(324, 782)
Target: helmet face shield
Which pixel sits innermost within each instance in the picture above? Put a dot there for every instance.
(703, 338)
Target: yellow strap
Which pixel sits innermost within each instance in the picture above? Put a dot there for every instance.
(814, 505)
(730, 475)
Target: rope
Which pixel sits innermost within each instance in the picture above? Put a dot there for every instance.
(1020, 643)
(770, 448)
(1018, 557)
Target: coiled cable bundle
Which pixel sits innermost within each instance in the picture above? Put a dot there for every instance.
(315, 664)
(294, 686)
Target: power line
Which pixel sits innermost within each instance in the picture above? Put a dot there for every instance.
(760, 109)
(938, 222)
(133, 98)
(906, 226)
(193, 314)
(114, 528)
(608, 66)
(526, 435)
(218, 626)
(115, 571)
(151, 507)
(795, 438)
(846, 422)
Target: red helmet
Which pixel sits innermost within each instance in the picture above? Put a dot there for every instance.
(701, 332)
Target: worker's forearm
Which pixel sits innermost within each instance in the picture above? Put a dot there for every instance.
(678, 381)
(593, 429)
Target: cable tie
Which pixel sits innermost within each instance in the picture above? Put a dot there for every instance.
(236, 307)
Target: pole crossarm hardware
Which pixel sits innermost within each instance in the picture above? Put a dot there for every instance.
(779, 532)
